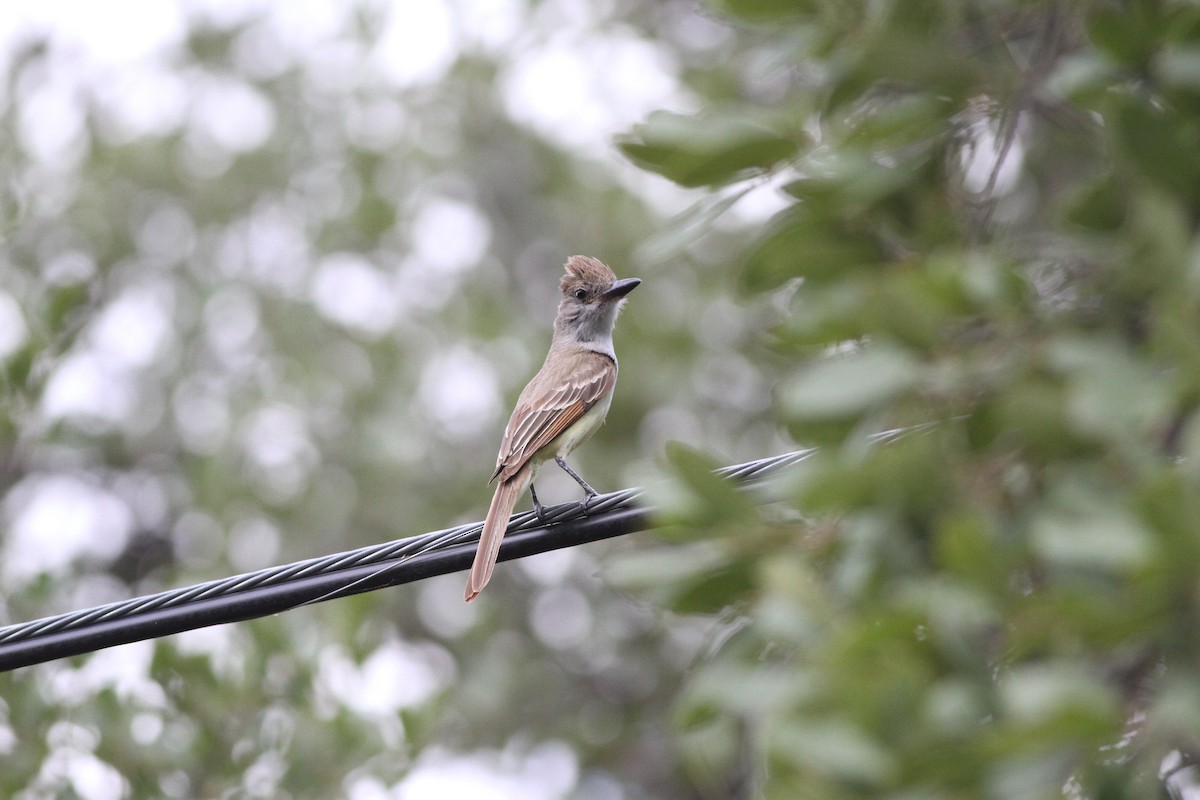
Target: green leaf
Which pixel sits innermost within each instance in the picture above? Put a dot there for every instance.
(846, 386)
(966, 545)
(835, 748)
(851, 182)
(1080, 77)
(1112, 395)
(18, 366)
(1038, 693)
(1030, 413)
(734, 688)
(1119, 34)
(651, 568)
(708, 149)
(710, 749)
(1179, 67)
(729, 584)
(904, 60)
(954, 707)
(65, 303)
(951, 607)
(1160, 143)
(709, 499)
(1177, 708)
(1099, 206)
(802, 244)
(904, 122)
(1103, 538)
(690, 579)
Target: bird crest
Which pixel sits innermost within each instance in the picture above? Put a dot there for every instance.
(587, 271)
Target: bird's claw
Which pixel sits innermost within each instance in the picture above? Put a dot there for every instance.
(586, 503)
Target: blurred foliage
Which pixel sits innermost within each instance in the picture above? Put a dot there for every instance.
(986, 228)
(992, 227)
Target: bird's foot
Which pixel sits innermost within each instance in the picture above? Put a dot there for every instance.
(587, 501)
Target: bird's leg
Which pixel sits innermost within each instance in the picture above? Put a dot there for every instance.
(591, 493)
(538, 508)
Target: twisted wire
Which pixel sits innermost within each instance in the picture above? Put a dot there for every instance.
(393, 553)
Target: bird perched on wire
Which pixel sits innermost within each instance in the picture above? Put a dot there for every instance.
(564, 403)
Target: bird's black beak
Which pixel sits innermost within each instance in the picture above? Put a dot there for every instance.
(621, 288)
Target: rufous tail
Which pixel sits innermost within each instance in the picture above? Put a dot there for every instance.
(494, 528)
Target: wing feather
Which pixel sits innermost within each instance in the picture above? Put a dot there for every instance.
(562, 392)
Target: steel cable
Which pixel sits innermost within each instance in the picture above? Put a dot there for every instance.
(276, 589)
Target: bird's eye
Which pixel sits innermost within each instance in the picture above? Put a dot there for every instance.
(581, 294)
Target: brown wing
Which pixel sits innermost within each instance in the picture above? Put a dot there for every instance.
(562, 392)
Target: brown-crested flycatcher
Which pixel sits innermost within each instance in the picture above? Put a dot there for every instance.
(562, 406)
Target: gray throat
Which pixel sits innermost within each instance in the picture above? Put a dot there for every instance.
(594, 331)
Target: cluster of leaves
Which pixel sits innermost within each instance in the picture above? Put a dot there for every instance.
(992, 236)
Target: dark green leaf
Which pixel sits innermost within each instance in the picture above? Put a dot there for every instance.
(803, 245)
(1120, 35)
(1161, 145)
(1099, 206)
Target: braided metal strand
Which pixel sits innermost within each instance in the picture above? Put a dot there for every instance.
(366, 568)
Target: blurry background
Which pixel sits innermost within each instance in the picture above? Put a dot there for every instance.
(273, 273)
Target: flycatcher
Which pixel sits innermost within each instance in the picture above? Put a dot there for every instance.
(562, 406)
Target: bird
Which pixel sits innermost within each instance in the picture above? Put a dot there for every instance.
(562, 405)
